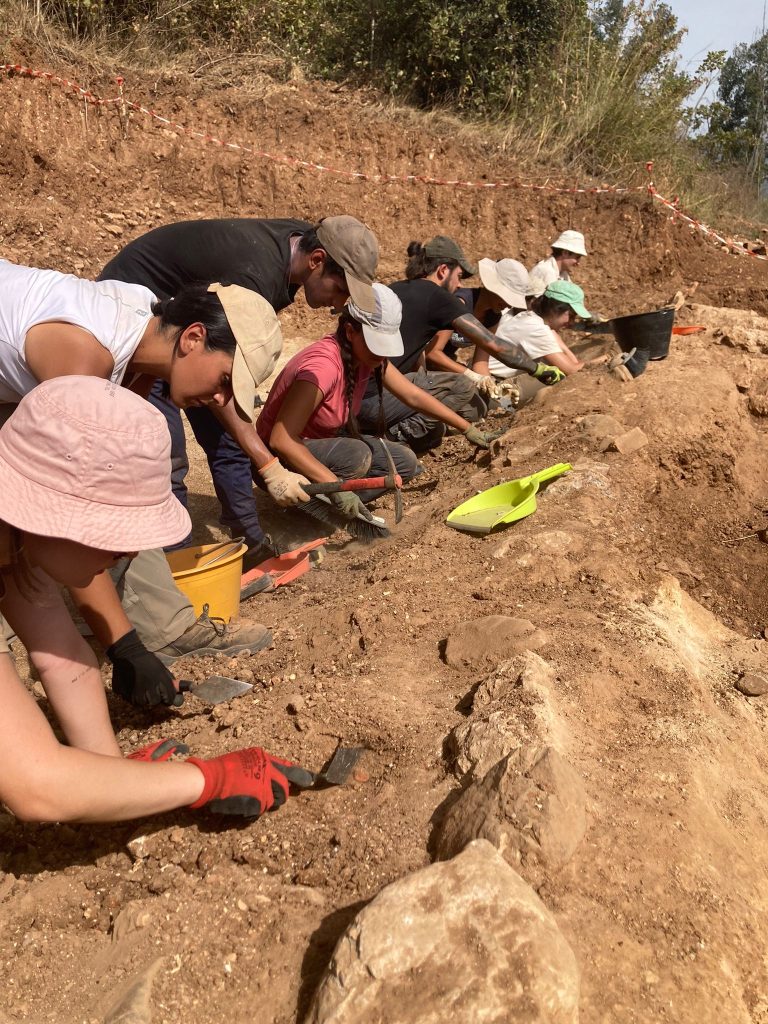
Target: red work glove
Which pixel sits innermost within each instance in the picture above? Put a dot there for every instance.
(162, 750)
(245, 782)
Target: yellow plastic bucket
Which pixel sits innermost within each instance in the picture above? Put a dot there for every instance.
(210, 574)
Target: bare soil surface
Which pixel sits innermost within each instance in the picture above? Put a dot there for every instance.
(633, 566)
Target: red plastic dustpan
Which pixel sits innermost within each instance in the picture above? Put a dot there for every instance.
(284, 568)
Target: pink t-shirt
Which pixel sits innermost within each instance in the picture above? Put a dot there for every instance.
(319, 363)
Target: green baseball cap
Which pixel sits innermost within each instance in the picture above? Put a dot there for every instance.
(443, 248)
(567, 291)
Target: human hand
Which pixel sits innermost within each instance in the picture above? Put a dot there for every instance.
(481, 438)
(245, 782)
(483, 382)
(284, 486)
(547, 374)
(349, 505)
(139, 676)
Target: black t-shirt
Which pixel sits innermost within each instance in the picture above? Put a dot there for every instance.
(250, 252)
(427, 309)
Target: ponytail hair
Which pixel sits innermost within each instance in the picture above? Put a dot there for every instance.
(193, 304)
(421, 265)
(350, 378)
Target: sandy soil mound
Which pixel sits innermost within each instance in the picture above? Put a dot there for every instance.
(633, 575)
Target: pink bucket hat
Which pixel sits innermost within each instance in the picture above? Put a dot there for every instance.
(86, 460)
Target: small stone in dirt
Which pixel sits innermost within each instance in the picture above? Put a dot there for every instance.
(752, 685)
(141, 845)
(626, 444)
(295, 704)
(467, 940)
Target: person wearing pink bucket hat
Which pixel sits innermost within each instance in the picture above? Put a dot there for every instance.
(85, 480)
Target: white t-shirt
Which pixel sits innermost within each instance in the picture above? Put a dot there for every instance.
(116, 314)
(527, 330)
(544, 273)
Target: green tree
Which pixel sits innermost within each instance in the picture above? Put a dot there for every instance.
(738, 123)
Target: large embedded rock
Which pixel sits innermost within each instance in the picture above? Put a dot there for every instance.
(510, 707)
(466, 941)
(531, 806)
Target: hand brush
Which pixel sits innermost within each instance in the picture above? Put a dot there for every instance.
(362, 529)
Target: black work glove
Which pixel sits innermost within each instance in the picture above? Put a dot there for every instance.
(138, 676)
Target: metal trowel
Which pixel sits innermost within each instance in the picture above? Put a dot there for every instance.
(336, 774)
(215, 689)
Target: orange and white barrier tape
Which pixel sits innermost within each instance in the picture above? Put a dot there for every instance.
(379, 179)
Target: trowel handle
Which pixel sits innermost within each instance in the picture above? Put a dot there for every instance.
(371, 483)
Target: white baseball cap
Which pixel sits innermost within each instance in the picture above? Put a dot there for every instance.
(506, 278)
(571, 241)
(381, 329)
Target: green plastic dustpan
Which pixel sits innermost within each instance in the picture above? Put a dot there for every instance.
(505, 503)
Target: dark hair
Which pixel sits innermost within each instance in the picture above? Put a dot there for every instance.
(557, 253)
(350, 380)
(193, 304)
(421, 265)
(309, 241)
(545, 306)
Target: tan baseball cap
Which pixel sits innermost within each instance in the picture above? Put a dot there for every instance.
(354, 247)
(259, 342)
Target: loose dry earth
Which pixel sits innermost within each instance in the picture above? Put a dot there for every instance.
(645, 602)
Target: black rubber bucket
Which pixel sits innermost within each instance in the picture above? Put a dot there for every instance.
(647, 332)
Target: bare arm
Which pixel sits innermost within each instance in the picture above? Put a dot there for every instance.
(41, 780)
(61, 350)
(504, 351)
(67, 665)
(300, 401)
(244, 433)
(436, 356)
(418, 399)
(100, 606)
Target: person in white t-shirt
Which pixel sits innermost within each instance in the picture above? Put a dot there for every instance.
(567, 250)
(536, 331)
(209, 343)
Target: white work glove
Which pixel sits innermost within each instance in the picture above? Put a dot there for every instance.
(284, 486)
(482, 382)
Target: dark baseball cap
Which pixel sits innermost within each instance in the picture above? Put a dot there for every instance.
(443, 248)
(354, 247)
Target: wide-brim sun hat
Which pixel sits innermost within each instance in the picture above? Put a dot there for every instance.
(354, 247)
(381, 329)
(570, 293)
(86, 460)
(259, 340)
(571, 241)
(506, 278)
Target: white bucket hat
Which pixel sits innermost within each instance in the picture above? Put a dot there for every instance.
(506, 278)
(571, 241)
(381, 329)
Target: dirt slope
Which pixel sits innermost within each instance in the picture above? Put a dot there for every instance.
(648, 609)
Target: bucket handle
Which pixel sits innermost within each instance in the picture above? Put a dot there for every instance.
(230, 547)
